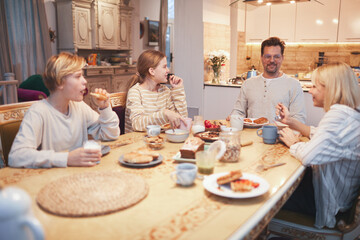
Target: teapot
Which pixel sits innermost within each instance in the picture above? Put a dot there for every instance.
(252, 73)
(16, 219)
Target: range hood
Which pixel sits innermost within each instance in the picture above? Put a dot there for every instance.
(264, 2)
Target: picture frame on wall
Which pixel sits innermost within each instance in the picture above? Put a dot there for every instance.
(153, 33)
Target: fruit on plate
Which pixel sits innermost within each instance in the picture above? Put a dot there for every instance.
(208, 124)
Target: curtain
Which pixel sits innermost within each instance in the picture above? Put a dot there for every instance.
(163, 25)
(5, 55)
(28, 35)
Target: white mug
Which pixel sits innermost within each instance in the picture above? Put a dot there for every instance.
(16, 219)
(153, 130)
(237, 121)
(185, 174)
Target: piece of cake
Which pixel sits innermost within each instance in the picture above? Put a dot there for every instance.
(261, 120)
(233, 175)
(191, 146)
(243, 185)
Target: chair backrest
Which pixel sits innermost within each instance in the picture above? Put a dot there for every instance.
(11, 116)
(118, 104)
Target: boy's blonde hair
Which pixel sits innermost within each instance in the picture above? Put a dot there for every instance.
(60, 66)
(340, 82)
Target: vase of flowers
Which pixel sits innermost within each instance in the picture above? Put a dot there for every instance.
(216, 59)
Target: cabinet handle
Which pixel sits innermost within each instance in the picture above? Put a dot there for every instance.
(100, 71)
(126, 70)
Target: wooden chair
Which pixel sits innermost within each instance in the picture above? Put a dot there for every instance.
(299, 226)
(11, 116)
(118, 104)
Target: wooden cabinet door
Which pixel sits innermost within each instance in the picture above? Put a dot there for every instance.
(282, 21)
(121, 83)
(125, 29)
(96, 82)
(82, 30)
(316, 22)
(257, 23)
(349, 21)
(108, 25)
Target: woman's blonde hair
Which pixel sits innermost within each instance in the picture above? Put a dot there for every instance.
(60, 66)
(340, 83)
(148, 59)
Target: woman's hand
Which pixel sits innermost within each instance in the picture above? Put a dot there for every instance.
(283, 112)
(175, 81)
(288, 137)
(81, 157)
(99, 102)
(174, 118)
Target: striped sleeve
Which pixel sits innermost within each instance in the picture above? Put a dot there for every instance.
(138, 117)
(334, 139)
(179, 101)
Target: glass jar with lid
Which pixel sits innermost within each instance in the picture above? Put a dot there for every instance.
(233, 145)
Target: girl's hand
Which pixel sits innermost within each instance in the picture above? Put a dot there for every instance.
(288, 137)
(174, 118)
(175, 81)
(81, 157)
(283, 112)
(101, 102)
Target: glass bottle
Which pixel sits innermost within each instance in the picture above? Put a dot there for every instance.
(233, 146)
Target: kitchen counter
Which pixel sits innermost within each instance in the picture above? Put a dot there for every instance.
(306, 85)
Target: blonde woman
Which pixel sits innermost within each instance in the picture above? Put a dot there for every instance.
(333, 152)
(53, 130)
(150, 102)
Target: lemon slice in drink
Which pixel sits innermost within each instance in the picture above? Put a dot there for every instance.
(217, 148)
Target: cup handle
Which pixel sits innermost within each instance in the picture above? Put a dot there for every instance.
(34, 225)
(173, 177)
(257, 132)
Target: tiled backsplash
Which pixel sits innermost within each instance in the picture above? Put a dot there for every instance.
(298, 57)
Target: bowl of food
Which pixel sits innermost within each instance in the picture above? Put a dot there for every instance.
(177, 135)
(154, 143)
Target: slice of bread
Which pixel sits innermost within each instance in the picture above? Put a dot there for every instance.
(134, 157)
(232, 176)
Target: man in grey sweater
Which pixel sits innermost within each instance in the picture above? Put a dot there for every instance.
(260, 95)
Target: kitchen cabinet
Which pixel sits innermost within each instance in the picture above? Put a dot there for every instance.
(108, 29)
(349, 21)
(316, 22)
(74, 25)
(313, 114)
(257, 23)
(125, 27)
(282, 21)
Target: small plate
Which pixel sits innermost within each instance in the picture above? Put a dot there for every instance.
(178, 158)
(254, 125)
(141, 165)
(205, 138)
(105, 149)
(224, 190)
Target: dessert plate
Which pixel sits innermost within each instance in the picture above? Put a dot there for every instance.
(224, 190)
(208, 136)
(141, 165)
(254, 125)
(178, 158)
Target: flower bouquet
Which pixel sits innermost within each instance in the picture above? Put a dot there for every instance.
(216, 59)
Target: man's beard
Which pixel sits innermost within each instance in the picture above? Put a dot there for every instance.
(267, 69)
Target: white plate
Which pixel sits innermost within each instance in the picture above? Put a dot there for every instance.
(141, 165)
(254, 125)
(224, 190)
(178, 158)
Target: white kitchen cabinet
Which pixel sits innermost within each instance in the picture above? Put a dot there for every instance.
(282, 21)
(108, 30)
(316, 22)
(74, 25)
(125, 27)
(313, 114)
(257, 23)
(349, 21)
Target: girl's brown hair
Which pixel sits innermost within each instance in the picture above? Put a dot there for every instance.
(340, 83)
(60, 66)
(148, 59)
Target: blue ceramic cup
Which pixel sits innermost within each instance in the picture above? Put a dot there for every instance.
(185, 174)
(268, 133)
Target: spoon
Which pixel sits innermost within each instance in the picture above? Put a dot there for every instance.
(262, 167)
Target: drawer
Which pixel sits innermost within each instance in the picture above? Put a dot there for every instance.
(99, 71)
(125, 70)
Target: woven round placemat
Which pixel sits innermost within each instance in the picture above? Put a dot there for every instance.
(92, 193)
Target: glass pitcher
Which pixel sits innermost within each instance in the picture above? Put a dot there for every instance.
(233, 145)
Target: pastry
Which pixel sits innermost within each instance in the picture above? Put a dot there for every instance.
(248, 120)
(233, 175)
(261, 120)
(99, 96)
(134, 157)
(191, 146)
(243, 185)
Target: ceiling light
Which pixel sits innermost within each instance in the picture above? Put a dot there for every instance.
(268, 3)
(292, 2)
(336, 21)
(319, 22)
(260, 1)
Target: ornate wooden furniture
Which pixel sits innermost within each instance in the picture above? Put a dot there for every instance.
(11, 116)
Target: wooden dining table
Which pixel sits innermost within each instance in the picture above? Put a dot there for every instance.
(171, 211)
